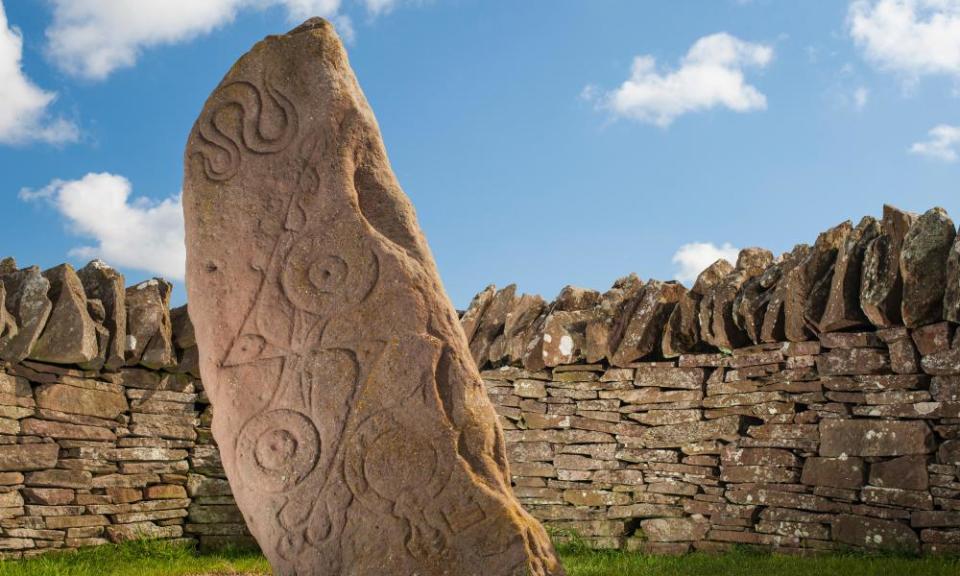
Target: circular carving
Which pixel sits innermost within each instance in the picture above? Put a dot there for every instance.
(396, 463)
(316, 281)
(387, 463)
(278, 449)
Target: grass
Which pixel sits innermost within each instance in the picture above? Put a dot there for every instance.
(158, 558)
(745, 563)
(139, 558)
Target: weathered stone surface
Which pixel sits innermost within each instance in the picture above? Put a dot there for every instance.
(874, 533)
(149, 332)
(881, 283)
(923, 265)
(23, 457)
(49, 496)
(750, 306)
(943, 363)
(951, 295)
(675, 529)
(682, 331)
(605, 329)
(102, 403)
(845, 472)
(470, 320)
(726, 428)
(66, 431)
(843, 310)
(718, 326)
(573, 298)
(669, 377)
(103, 283)
(904, 473)
(874, 438)
(70, 336)
(932, 338)
(29, 306)
(853, 361)
(57, 478)
(812, 290)
(492, 323)
(8, 325)
(564, 336)
(516, 329)
(949, 453)
(377, 430)
(141, 530)
(775, 317)
(184, 335)
(642, 333)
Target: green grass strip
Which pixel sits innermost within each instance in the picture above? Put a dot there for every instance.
(159, 558)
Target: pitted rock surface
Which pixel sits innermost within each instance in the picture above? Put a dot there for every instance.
(352, 422)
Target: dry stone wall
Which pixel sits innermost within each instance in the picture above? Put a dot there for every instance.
(805, 402)
(104, 425)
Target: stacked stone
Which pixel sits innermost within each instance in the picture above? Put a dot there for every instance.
(806, 402)
(97, 415)
(215, 521)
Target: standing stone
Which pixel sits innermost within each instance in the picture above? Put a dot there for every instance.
(28, 303)
(923, 265)
(70, 336)
(881, 285)
(149, 331)
(352, 422)
(843, 305)
(103, 283)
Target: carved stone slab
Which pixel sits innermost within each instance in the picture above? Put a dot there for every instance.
(352, 422)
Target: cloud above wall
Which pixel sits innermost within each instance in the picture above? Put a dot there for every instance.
(710, 75)
(692, 259)
(93, 38)
(909, 37)
(942, 143)
(24, 107)
(135, 233)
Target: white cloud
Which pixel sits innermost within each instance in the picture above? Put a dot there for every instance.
(943, 143)
(910, 37)
(860, 97)
(692, 259)
(376, 7)
(24, 115)
(710, 75)
(93, 38)
(129, 232)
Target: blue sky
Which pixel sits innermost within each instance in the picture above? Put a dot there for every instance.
(543, 142)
